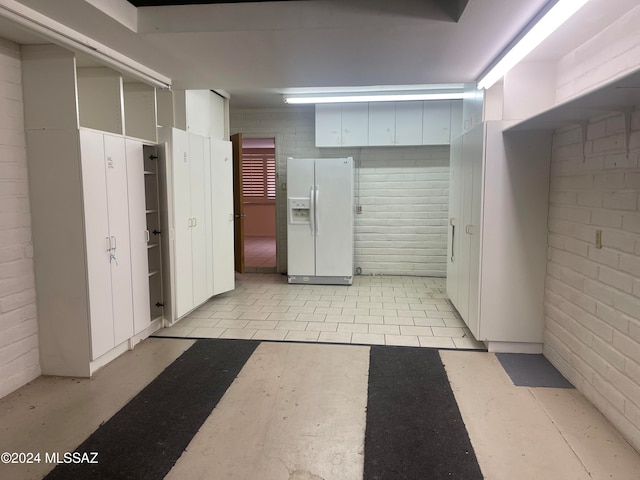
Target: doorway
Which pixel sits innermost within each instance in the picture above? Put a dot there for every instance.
(258, 198)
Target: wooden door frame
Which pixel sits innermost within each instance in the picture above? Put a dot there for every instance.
(238, 208)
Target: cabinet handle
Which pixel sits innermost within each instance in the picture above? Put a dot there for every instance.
(108, 239)
(147, 236)
(190, 223)
(317, 210)
(453, 236)
(115, 245)
(195, 222)
(468, 229)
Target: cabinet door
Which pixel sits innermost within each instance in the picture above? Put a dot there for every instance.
(469, 269)
(456, 228)
(328, 125)
(222, 216)
(466, 223)
(138, 236)
(436, 122)
(199, 222)
(382, 124)
(208, 211)
(476, 230)
(408, 123)
(96, 219)
(181, 176)
(355, 124)
(118, 206)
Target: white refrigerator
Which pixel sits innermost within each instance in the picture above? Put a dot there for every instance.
(320, 220)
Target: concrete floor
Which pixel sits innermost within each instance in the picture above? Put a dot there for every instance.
(517, 432)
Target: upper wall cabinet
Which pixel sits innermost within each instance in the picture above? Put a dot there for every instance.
(438, 120)
(341, 125)
(398, 123)
(384, 124)
(202, 112)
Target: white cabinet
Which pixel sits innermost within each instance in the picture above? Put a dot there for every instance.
(341, 125)
(498, 216)
(355, 119)
(436, 122)
(329, 125)
(222, 216)
(189, 220)
(384, 124)
(199, 192)
(106, 206)
(87, 193)
(408, 124)
(89, 245)
(395, 123)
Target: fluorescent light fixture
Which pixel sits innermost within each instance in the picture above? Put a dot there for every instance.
(66, 37)
(547, 24)
(399, 97)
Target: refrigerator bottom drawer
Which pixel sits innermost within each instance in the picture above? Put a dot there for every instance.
(313, 280)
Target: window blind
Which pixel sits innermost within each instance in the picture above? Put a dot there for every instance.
(258, 173)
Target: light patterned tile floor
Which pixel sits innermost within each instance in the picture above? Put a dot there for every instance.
(375, 310)
(260, 253)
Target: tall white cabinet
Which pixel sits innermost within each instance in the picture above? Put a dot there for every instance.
(499, 186)
(106, 208)
(87, 194)
(197, 188)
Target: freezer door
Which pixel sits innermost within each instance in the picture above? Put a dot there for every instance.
(300, 239)
(333, 199)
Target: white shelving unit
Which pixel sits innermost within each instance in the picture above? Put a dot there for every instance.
(153, 231)
(88, 204)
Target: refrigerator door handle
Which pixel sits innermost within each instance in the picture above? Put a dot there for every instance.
(315, 213)
(312, 211)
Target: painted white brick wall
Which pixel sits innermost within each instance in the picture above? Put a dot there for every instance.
(19, 357)
(592, 296)
(611, 54)
(403, 192)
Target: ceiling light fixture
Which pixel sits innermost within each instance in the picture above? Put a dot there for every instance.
(399, 97)
(544, 27)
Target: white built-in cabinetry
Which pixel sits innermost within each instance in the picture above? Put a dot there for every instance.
(198, 189)
(111, 242)
(497, 235)
(385, 123)
(88, 196)
(396, 123)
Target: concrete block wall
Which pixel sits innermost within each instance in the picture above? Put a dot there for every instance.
(403, 192)
(592, 295)
(19, 356)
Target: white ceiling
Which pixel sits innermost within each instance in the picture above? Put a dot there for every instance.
(256, 51)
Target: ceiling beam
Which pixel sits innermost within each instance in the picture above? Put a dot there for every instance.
(453, 8)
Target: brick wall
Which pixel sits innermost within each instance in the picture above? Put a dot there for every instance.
(592, 297)
(612, 53)
(403, 192)
(19, 358)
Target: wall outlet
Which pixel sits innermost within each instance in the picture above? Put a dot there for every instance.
(358, 209)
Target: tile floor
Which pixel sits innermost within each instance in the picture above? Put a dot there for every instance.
(260, 254)
(375, 310)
